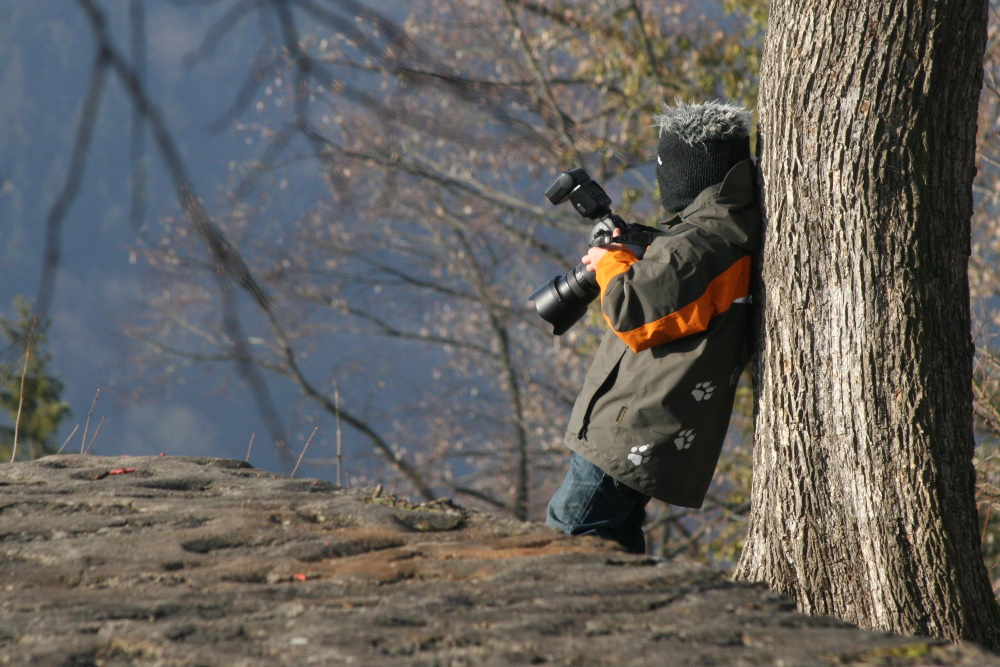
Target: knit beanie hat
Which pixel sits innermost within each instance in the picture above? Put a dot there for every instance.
(699, 144)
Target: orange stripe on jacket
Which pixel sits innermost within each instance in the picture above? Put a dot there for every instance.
(731, 284)
(613, 263)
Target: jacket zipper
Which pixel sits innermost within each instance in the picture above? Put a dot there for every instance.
(605, 387)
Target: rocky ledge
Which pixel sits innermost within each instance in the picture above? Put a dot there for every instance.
(198, 561)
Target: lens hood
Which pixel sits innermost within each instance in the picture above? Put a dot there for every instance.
(563, 301)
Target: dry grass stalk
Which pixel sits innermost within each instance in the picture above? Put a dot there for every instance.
(340, 442)
(250, 448)
(70, 437)
(20, 402)
(83, 444)
(299, 462)
(96, 433)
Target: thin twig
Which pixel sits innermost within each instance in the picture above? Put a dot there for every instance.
(336, 403)
(20, 400)
(83, 444)
(252, 436)
(96, 433)
(75, 429)
(296, 469)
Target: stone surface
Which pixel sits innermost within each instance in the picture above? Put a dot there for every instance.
(198, 561)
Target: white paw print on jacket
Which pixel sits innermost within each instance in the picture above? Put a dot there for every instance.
(703, 391)
(640, 454)
(685, 438)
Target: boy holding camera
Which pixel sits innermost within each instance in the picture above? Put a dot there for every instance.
(653, 413)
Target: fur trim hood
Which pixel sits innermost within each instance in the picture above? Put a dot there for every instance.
(700, 123)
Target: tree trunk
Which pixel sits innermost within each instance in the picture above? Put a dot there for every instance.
(863, 498)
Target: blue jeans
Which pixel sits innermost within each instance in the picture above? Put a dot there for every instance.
(591, 502)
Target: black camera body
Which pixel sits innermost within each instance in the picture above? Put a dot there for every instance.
(563, 300)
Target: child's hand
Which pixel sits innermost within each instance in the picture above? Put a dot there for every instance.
(594, 255)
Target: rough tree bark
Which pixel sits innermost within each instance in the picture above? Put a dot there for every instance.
(863, 499)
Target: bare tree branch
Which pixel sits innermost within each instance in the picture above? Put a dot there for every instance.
(226, 23)
(71, 186)
(229, 265)
(555, 114)
(139, 176)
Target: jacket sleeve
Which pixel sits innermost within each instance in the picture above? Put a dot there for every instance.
(674, 291)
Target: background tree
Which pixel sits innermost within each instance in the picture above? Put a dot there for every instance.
(436, 137)
(29, 395)
(863, 497)
(985, 287)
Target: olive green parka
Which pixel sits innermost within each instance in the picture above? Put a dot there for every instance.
(657, 400)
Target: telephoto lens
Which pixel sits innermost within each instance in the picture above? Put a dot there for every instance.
(563, 301)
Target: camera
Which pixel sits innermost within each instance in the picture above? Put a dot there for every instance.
(563, 300)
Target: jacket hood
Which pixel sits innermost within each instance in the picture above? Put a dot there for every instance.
(729, 208)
